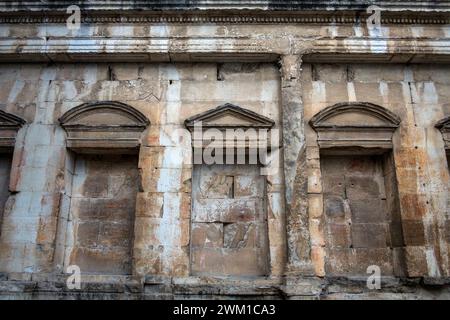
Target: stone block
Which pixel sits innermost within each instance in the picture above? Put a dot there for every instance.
(150, 204)
(240, 235)
(247, 187)
(333, 184)
(95, 187)
(369, 235)
(338, 235)
(125, 71)
(205, 235)
(96, 260)
(413, 232)
(362, 258)
(334, 207)
(333, 73)
(367, 210)
(413, 206)
(114, 234)
(88, 233)
(318, 259)
(416, 261)
(338, 261)
(316, 232)
(243, 262)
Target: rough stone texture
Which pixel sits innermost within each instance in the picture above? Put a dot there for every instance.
(229, 221)
(358, 224)
(417, 144)
(276, 60)
(102, 213)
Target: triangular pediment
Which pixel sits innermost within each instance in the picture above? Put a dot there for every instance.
(10, 120)
(229, 116)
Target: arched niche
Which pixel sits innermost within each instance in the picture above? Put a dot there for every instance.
(355, 124)
(108, 126)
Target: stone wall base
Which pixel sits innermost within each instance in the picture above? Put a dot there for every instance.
(24, 287)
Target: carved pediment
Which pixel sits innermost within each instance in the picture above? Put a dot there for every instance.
(444, 126)
(10, 120)
(103, 114)
(103, 125)
(355, 114)
(9, 125)
(250, 128)
(355, 124)
(229, 116)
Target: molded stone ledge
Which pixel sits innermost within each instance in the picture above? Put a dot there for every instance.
(156, 287)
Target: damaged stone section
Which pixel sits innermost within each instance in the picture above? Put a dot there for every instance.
(229, 221)
(362, 218)
(102, 208)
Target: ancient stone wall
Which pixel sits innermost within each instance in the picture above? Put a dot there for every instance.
(418, 148)
(99, 165)
(165, 93)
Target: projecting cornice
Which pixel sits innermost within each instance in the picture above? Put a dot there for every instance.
(229, 18)
(266, 5)
(231, 11)
(223, 49)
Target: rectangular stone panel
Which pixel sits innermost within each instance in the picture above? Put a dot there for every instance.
(358, 219)
(229, 223)
(103, 208)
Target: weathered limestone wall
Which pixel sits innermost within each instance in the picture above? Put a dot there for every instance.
(418, 94)
(38, 230)
(167, 94)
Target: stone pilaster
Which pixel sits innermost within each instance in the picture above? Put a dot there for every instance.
(295, 171)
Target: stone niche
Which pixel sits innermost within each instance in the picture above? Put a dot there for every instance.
(362, 222)
(9, 126)
(229, 231)
(444, 126)
(102, 173)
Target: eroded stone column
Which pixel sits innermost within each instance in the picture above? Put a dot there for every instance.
(295, 170)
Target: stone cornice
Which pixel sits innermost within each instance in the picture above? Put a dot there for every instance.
(266, 5)
(215, 48)
(230, 11)
(230, 18)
